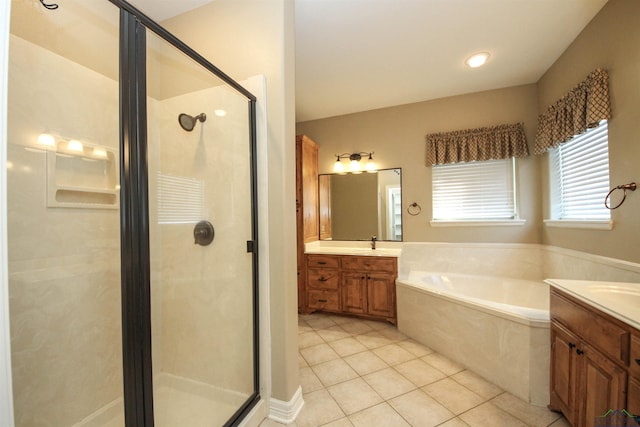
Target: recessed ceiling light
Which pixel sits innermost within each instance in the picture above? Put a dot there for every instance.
(477, 60)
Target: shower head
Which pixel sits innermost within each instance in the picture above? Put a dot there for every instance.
(188, 122)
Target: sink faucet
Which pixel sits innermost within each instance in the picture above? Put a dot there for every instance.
(373, 242)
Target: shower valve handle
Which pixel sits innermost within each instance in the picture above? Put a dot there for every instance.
(203, 233)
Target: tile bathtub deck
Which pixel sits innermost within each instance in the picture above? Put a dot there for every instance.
(366, 373)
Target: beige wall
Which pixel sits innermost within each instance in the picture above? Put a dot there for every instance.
(246, 38)
(610, 41)
(397, 136)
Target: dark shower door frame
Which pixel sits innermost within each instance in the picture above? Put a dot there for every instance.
(134, 216)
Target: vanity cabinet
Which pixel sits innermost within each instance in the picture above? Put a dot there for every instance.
(361, 285)
(633, 388)
(589, 361)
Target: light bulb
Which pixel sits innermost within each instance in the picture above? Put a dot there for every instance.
(99, 152)
(370, 167)
(354, 166)
(338, 167)
(75, 145)
(46, 139)
(477, 60)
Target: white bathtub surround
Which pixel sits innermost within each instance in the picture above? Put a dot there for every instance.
(505, 343)
(499, 340)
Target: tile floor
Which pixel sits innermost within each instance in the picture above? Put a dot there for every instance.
(366, 373)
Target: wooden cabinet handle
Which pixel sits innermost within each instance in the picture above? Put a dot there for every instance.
(322, 262)
(322, 300)
(323, 279)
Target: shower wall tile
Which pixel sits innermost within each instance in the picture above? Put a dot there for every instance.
(64, 264)
(205, 314)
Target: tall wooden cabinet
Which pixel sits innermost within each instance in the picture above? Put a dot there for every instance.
(306, 204)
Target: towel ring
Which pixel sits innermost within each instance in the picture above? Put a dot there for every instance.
(414, 209)
(631, 186)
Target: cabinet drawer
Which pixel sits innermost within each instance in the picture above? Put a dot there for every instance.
(369, 263)
(603, 334)
(323, 261)
(323, 300)
(634, 362)
(323, 279)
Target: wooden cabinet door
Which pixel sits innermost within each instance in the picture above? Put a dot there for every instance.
(563, 372)
(381, 295)
(354, 290)
(633, 398)
(602, 385)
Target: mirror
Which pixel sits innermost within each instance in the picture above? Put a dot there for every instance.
(358, 206)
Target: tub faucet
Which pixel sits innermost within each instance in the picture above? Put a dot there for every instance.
(373, 242)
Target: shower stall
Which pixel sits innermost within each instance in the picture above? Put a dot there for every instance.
(132, 224)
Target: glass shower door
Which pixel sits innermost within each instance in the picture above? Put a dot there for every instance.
(63, 214)
(202, 274)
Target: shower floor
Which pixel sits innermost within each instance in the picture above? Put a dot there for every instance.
(177, 402)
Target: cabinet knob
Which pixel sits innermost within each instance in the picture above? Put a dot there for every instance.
(579, 352)
(638, 361)
(322, 300)
(322, 262)
(572, 345)
(323, 279)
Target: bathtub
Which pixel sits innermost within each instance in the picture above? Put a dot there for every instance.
(496, 327)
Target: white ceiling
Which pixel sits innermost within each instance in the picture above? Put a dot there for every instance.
(358, 55)
(159, 10)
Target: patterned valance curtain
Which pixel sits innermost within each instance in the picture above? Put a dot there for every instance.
(488, 143)
(580, 109)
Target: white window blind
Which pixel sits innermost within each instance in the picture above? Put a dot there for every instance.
(474, 191)
(180, 200)
(579, 176)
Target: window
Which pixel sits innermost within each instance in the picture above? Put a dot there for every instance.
(474, 191)
(579, 177)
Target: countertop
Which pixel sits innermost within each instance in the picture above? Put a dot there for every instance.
(618, 299)
(358, 248)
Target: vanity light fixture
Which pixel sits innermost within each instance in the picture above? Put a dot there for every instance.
(354, 166)
(477, 60)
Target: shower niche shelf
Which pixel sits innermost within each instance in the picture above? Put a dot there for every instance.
(83, 179)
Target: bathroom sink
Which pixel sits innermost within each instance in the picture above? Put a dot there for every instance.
(617, 293)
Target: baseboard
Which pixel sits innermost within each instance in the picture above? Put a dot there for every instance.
(286, 412)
